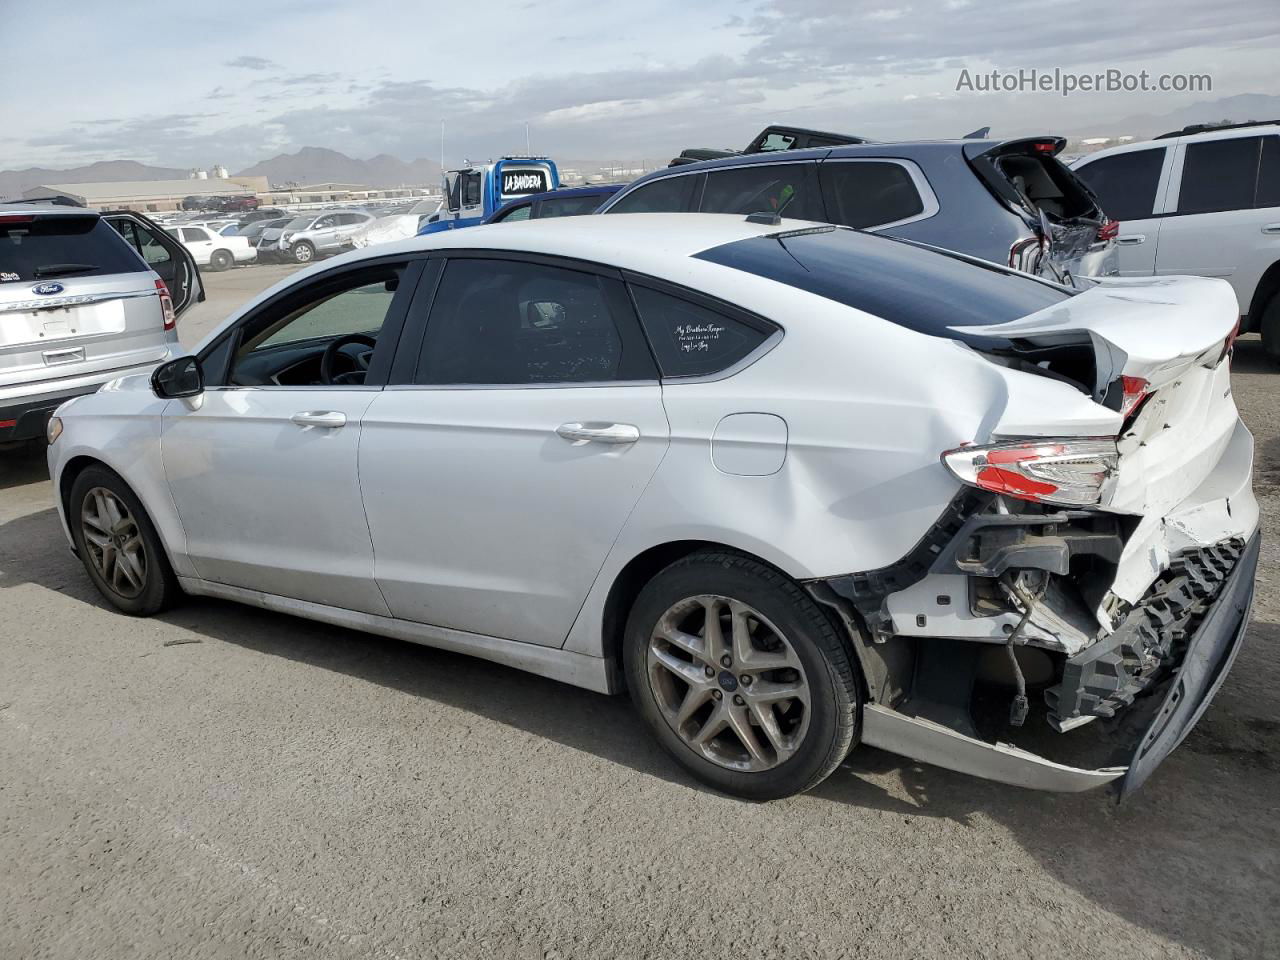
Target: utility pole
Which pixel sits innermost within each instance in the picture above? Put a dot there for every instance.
(442, 148)
(528, 150)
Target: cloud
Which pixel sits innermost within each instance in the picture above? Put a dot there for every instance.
(251, 63)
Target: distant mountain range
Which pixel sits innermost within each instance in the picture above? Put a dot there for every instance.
(319, 165)
(308, 165)
(1245, 106)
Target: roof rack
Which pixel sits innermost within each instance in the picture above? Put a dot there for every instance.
(1193, 128)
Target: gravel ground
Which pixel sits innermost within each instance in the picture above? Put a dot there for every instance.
(223, 782)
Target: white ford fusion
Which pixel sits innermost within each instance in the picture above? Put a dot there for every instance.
(793, 487)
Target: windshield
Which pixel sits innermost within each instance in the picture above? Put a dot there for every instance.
(300, 223)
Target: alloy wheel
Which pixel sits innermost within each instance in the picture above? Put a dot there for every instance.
(114, 542)
(728, 683)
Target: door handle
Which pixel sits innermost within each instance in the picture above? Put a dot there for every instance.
(1271, 228)
(599, 432)
(332, 419)
(1132, 240)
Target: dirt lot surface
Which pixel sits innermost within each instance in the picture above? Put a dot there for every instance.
(223, 782)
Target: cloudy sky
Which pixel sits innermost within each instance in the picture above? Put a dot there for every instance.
(196, 84)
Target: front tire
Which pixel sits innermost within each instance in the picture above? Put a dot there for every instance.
(741, 676)
(118, 544)
(303, 252)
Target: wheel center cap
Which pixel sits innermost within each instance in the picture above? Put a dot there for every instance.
(727, 681)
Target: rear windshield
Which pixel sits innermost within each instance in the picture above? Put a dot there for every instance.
(63, 246)
(923, 289)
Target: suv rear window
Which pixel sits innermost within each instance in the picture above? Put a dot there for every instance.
(46, 248)
(922, 289)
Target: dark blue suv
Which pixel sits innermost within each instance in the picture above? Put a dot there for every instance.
(1011, 202)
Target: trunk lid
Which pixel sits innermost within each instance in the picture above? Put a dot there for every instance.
(1172, 333)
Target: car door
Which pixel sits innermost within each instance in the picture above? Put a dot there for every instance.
(1131, 188)
(324, 232)
(1223, 218)
(499, 470)
(171, 261)
(262, 466)
(199, 242)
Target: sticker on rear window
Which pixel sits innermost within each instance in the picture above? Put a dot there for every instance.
(697, 337)
(6, 277)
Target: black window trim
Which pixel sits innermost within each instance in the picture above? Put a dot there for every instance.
(409, 347)
(393, 326)
(774, 331)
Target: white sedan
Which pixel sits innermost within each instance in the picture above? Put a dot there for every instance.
(792, 486)
(212, 249)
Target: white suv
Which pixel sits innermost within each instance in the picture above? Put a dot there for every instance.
(1204, 202)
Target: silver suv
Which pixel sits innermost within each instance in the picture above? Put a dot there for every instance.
(82, 303)
(311, 235)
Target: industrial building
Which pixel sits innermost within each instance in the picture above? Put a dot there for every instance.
(146, 196)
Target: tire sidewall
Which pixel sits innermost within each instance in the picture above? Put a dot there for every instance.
(300, 246)
(160, 585)
(833, 705)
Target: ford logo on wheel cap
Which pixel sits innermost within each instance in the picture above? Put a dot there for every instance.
(47, 289)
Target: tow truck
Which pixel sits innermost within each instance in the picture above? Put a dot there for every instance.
(477, 191)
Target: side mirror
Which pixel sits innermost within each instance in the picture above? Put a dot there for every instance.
(183, 377)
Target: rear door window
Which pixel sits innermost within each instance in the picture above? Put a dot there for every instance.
(1125, 184)
(869, 193)
(787, 189)
(1219, 175)
(693, 340)
(668, 195)
(43, 248)
(152, 250)
(193, 235)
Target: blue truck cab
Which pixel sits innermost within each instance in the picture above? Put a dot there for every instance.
(476, 192)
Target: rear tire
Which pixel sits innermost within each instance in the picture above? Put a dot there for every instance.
(776, 678)
(303, 252)
(221, 260)
(118, 544)
(1269, 325)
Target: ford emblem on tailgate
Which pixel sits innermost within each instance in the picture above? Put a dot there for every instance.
(47, 289)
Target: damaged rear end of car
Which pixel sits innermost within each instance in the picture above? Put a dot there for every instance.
(1070, 616)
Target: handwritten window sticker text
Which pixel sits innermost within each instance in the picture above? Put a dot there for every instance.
(698, 337)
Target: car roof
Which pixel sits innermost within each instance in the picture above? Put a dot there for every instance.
(17, 207)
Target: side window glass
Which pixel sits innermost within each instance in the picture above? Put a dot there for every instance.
(284, 347)
(509, 322)
(152, 250)
(470, 189)
(1125, 184)
(454, 184)
(787, 189)
(1219, 175)
(668, 195)
(193, 235)
(324, 223)
(691, 340)
(777, 141)
(519, 213)
(869, 194)
(568, 206)
(1269, 174)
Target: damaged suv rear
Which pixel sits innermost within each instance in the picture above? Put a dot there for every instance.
(1078, 601)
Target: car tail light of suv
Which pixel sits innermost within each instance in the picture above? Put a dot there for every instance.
(1070, 472)
(166, 305)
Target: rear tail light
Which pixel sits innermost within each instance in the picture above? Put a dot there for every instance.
(1135, 390)
(18, 218)
(1068, 472)
(166, 306)
(1044, 146)
(1109, 230)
